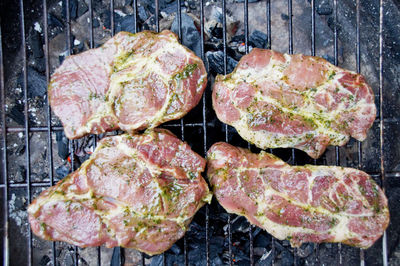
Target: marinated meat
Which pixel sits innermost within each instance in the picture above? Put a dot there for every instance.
(132, 82)
(279, 100)
(135, 191)
(298, 203)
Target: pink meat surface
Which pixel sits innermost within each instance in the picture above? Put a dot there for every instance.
(132, 82)
(135, 191)
(278, 100)
(299, 203)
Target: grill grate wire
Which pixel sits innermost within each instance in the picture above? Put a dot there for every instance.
(51, 129)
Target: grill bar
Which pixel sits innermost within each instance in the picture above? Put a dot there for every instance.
(246, 41)
(112, 17)
(157, 18)
(48, 113)
(71, 145)
(91, 45)
(60, 128)
(204, 112)
(290, 29)
(316, 249)
(359, 145)
(269, 45)
(5, 165)
(381, 128)
(182, 123)
(224, 37)
(46, 184)
(26, 122)
(335, 48)
(135, 13)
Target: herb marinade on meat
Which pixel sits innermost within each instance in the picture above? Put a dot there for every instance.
(132, 82)
(299, 203)
(278, 100)
(135, 191)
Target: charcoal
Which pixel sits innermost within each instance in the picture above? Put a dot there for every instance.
(256, 231)
(44, 261)
(329, 58)
(217, 32)
(286, 258)
(78, 48)
(82, 8)
(259, 251)
(62, 171)
(258, 39)
(324, 8)
(96, 23)
(216, 62)
(216, 261)
(240, 224)
(175, 249)
(83, 262)
(117, 258)
(61, 58)
(76, 8)
(106, 19)
(190, 34)
(124, 23)
(170, 8)
(305, 250)
(284, 17)
(17, 114)
(238, 38)
(62, 145)
(73, 8)
(266, 259)
(35, 43)
(37, 84)
(67, 257)
(262, 241)
(53, 21)
(250, 1)
(157, 260)
(142, 13)
(38, 64)
(20, 174)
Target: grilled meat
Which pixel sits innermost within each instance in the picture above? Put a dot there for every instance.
(278, 100)
(135, 191)
(132, 82)
(298, 203)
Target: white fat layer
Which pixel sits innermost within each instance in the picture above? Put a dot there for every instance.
(106, 217)
(311, 110)
(340, 230)
(139, 66)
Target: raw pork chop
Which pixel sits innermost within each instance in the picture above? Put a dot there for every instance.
(298, 203)
(135, 191)
(278, 100)
(132, 82)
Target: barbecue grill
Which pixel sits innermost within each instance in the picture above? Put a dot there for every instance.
(215, 237)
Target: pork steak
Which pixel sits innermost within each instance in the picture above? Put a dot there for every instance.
(279, 100)
(132, 82)
(298, 203)
(135, 191)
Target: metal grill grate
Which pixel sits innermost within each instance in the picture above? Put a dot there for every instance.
(5, 185)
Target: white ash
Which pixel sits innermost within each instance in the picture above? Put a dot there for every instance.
(120, 12)
(37, 27)
(19, 216)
